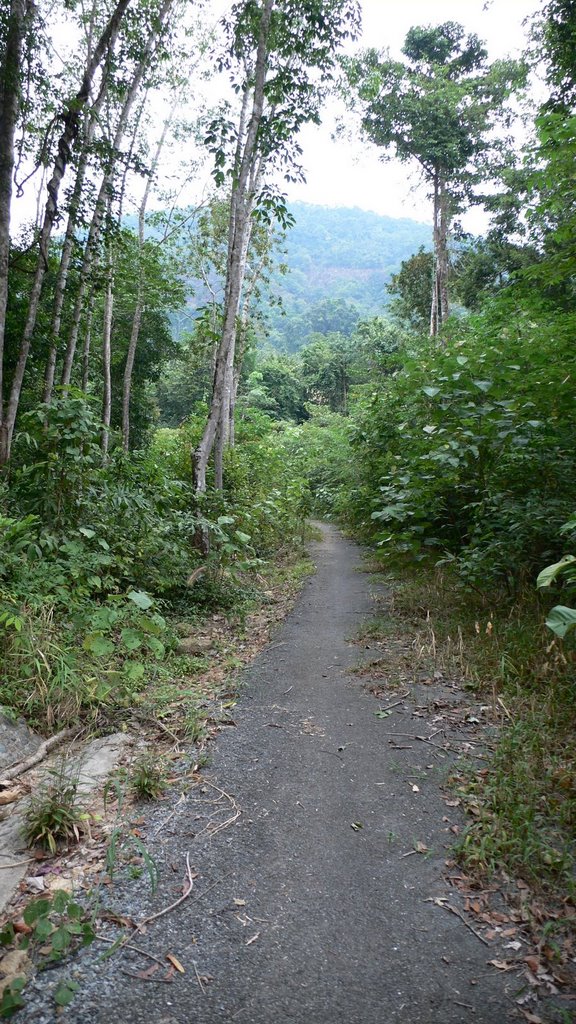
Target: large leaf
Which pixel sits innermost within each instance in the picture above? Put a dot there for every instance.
(141, 600)
(561, 619)
(549, 574)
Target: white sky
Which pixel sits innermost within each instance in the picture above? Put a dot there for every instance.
(348, 173)
(339, 174)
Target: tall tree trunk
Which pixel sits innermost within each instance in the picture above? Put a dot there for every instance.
(443, 260)
(87, 340)
(67, 250)
(71, 120)
(107, 357)
(440, 307)
(137, 318)
(435, 305)
(73, 211)
(241, 207)
(106, 189)
(10, 96)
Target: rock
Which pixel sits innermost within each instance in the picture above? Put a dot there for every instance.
(16, 964)
(17, 741)
(184, 628)
(195, 645)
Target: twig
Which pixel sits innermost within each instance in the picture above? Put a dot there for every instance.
(172, 906)
(505, 709)
(142, 977)
(459, 914)
(181, 800)
(130, 945)
(198, 978)
(22, 766)
(17, 864)
(159, 725)
(223, 824)
(396, 702)
(322, 750)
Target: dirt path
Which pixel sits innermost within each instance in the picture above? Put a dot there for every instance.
(305, 909)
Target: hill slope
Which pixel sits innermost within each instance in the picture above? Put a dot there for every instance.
(339, 260)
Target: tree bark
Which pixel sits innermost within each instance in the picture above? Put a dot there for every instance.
(10, 97)
(107, 357)
(440, 306)
(137, 318)
(87, 340)
(71, 119)
(241, 207)
(105, 190)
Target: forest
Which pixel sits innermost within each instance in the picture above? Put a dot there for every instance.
(184, 383)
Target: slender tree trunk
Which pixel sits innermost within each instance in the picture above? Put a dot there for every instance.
(435, 305)
(107, 356)
(440, 308)
(67, 250)
(10, 96)
(71, 120)
(137, 318)
(241, 206)
(443, 261)
(73, 212)
(105, 190)
(87, 340)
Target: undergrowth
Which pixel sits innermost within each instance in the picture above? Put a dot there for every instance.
(523, 804)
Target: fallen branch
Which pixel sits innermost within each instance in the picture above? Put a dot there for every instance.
(459, 914)
(198, 978)
(172, 906)
(397, 702)
(30, 762)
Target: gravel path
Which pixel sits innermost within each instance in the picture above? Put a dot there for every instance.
(305, 909)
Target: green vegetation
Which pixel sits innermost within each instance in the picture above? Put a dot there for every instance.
(150, 484)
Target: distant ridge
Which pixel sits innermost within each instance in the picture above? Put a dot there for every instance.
(340, 260)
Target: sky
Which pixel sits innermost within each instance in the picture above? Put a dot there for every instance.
(352, 174)
(341, 174)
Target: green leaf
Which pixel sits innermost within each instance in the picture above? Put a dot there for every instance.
(484, 385)
(549, 574)
(131, 639)
(86, 532)
(98, 645)
(140, 599)
(561, 619)
(66, 991)
(431, 392)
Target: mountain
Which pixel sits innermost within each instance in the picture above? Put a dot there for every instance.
(339, 261)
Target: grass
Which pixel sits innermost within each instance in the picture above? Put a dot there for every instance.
(55, 814)
(523, 803)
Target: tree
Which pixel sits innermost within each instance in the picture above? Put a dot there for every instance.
(411, 290)
(280, 53)
(71, 119)
(439, 110)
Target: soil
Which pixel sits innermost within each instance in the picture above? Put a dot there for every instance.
(313, 853)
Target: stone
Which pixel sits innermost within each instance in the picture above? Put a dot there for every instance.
(194, 645)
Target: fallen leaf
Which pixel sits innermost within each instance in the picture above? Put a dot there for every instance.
(502, 965)
(175, 962)
(533, 963)
(10, 795)
(240, 903)
(356, 825)
(415, 789)
(420, 848)
(532, 1018)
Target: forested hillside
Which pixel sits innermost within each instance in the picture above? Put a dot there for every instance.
(338, 262)
(147, 484)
